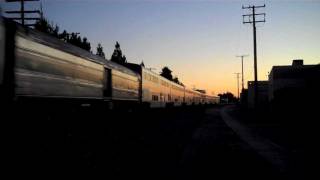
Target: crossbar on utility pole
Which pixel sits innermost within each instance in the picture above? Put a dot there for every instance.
(19, 18)
(242, 75)
(253, 21)
(22, 12)
(18, 12)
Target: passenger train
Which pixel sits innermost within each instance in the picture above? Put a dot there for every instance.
(34, 65)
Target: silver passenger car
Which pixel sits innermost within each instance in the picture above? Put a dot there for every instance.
(46, 67)
(125, 83)
(212, 99)
(45, 71)
(159, 91)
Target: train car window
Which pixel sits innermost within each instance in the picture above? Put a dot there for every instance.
(144, 75)
(163, 83)
(147, 77)
(155, 98)
(156, 80)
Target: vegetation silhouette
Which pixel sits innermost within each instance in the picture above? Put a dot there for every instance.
(117, 56)
(228, 96)
(44, 26)
(100, 51)
(167, 73)
(176, 80)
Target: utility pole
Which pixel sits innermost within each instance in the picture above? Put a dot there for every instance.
(238, 83)
(22, 13)
(242, 75)
(251, 18)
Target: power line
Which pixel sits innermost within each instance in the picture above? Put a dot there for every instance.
(251, 19)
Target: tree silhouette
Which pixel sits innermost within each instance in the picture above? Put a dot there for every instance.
(64, 36)
(117, 56)
(55, 31)
(176, 80)
(166, 73)
(229, 96)
(100, 51)
(43, 25)
(85, 44)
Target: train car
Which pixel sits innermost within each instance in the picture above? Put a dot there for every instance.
(189, 97)
(177, 94)
(212, 99)
(34, 65)
(47, 68)
(196, 97)
(45, 71)
(124, 85)
(157, 91)
(202, 98)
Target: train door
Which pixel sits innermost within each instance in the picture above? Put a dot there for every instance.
(107, 89)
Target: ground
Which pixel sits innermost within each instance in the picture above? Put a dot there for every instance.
(188, 143)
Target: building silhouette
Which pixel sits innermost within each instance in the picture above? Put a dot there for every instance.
(294, 86)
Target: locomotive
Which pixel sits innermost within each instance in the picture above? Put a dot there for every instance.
(36, 66)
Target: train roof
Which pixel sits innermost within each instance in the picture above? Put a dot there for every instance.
(56, 43)
(138, 68)
(162, 78)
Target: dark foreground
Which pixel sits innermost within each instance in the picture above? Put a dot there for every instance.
(188, 143)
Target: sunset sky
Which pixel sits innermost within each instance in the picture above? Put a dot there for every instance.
(198, 40)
